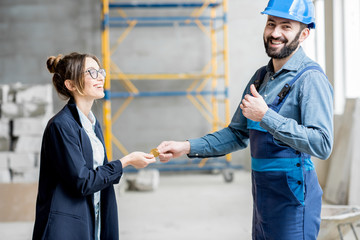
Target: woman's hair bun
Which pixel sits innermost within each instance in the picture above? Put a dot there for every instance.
(52, 62)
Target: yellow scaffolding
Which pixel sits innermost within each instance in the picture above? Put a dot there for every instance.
(212, 73)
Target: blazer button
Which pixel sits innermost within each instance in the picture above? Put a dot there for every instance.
(299, 182)
(298, 164)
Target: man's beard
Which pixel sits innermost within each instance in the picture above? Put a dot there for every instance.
(286, 51)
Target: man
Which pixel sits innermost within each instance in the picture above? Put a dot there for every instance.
(286, 113)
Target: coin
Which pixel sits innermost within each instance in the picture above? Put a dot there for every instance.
(155, 152)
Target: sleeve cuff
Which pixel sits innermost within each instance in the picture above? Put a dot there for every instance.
(120, 170)
(196, 148)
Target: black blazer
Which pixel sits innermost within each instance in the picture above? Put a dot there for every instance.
(67, 182)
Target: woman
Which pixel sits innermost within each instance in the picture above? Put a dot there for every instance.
(76, 198)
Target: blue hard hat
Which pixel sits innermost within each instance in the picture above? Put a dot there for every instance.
(298, 10)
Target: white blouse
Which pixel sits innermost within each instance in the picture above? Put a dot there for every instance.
(88, 124)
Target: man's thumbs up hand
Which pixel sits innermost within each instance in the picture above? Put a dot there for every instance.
(254, 92)
(254, 107)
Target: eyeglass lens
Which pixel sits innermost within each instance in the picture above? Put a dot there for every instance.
(94, 73)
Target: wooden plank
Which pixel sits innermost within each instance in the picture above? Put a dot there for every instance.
(17, 201)
(354, 184)
(337, 184)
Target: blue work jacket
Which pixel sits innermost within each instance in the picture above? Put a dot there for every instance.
(304, 123)
(67, 182)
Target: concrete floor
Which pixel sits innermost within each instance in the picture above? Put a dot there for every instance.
(185, 206)
(189, 206)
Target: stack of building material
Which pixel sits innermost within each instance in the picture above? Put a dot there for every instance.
(343, 180)
(24, 112)
(143, 180)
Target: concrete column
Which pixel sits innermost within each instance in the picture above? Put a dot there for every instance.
(335, 68)
(334, 50)
(351, 47)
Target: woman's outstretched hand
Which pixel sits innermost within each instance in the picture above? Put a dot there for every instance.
(138, 159)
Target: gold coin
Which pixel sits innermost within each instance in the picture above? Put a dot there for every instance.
(155, 152)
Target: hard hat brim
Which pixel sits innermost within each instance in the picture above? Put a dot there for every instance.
(287, 16)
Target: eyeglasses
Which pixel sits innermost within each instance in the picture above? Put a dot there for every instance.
(95, 73)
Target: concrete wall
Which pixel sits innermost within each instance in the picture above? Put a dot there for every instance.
(32, 30)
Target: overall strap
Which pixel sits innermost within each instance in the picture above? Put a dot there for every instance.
(282, 95)
(260, 77)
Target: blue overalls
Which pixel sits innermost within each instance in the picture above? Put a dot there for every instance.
(286, 192)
